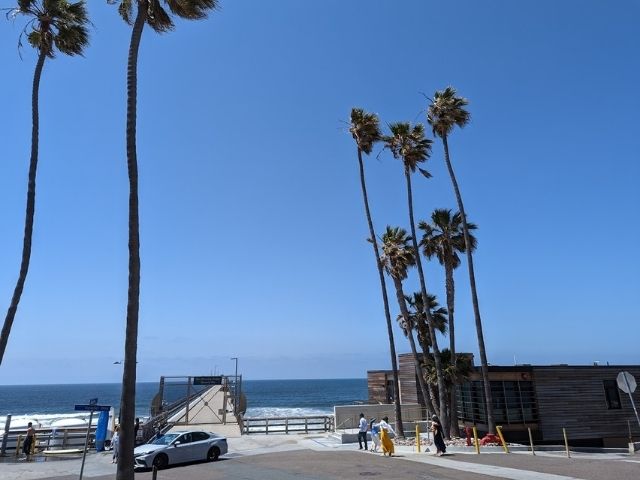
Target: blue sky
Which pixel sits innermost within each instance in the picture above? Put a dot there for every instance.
(252, 225)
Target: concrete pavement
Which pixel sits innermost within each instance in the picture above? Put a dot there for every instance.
(322, 457)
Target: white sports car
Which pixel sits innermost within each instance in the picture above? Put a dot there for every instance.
(180, 447)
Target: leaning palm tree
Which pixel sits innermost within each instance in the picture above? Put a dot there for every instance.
(152, 13)
(445, 112)
(410, 145)
(52, 25)
(419, 320)
(444, 238)
(397, 257)
(365, 130)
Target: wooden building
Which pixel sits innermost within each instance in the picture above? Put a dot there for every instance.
(585, 400)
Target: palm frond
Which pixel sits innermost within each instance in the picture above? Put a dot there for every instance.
(447, 110)
(408, 144)
(365, 129)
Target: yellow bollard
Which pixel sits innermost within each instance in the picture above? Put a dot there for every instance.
(533, 452)
(475, 439)
(504, 444)
(418, 437)
(566, 442)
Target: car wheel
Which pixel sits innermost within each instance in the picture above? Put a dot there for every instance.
(213, 454)
(161, 461)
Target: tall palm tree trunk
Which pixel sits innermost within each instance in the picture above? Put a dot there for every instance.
(431, 406)
(442, 395)
(128, 399)
(453, 403)
(407, 319)
(491, 424)
(385, 300)
(31, 207)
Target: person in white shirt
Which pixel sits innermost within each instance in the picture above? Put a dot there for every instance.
(362, 432)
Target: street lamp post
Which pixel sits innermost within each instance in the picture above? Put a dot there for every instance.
(235, 388)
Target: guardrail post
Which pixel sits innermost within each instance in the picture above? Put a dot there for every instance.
(566, 442)
(266, 426)
(306, 425)
(504, 444)
(475, 439)
(286, 425)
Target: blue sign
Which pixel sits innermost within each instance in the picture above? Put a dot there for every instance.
(93, 408)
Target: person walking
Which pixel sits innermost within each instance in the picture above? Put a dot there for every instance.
(362, 432)
(136, 427)
(438, 437)
(385, 437)
(115, 444)
(375, 435)
(28, 444)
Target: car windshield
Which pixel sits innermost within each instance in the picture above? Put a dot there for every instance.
(165, 439)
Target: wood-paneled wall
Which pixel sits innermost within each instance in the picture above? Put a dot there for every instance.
(573, 397)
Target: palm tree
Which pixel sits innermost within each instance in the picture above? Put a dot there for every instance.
(149, 12)
(444, 238)
(454, 374)
(446, 111)
(410, 145)
(419, 320)
(396, 257)
(365, 130)
(54, 25)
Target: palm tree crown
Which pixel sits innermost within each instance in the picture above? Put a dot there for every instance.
(55, 24)
(158, 18)
(397, 254)
(446, 110)
(409, 144)
(365, 129)
(438, 313)
(444, 238)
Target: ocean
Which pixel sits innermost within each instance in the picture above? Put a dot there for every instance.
(273, 398)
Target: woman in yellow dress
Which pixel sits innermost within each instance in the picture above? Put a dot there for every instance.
(385, 439)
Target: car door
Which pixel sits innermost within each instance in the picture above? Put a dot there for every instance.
(180, 451)
(200, 442)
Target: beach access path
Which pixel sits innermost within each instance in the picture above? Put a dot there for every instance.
(322, 457)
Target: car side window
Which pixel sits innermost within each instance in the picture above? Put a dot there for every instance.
(198, 436)
(185, 438)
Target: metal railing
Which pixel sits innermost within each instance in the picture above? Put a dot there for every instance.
(287, 425)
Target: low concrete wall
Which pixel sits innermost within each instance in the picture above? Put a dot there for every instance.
(348, 416)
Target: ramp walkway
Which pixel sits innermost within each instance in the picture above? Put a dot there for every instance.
(209, 410)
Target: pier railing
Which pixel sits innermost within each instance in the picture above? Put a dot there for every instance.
(287, 425)
(48, 439)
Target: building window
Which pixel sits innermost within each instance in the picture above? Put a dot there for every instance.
(513, 402)
(611, 394)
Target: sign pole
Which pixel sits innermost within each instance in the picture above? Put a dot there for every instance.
(86, 444)
(633, 404)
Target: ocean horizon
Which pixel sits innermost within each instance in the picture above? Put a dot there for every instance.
(45, 403)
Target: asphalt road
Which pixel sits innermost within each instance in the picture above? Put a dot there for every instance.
(339, 465)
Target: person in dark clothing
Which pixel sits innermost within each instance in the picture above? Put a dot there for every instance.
(438, 437)
(136, 427)
(28, 441)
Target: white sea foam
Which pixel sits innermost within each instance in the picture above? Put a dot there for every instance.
(47, 420)
(271, 412)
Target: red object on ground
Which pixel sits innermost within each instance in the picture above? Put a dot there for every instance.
(490, 439)
(468, 430)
